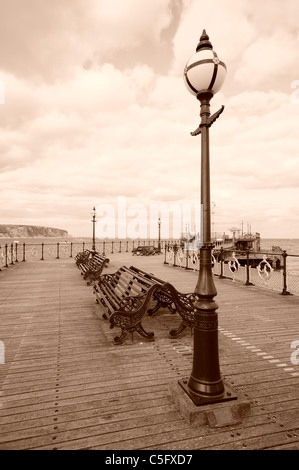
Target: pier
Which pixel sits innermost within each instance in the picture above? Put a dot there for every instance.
(65, 385)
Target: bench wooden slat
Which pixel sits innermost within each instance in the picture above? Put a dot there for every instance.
(141, 277)
(147, 276)
(108, 296)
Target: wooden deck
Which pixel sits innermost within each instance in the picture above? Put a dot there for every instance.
(65, 385)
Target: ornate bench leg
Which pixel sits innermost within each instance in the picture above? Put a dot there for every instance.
(176, 331)
(184, 304)
(139, 328)
(148, 335)
(130, 314)
(120, 339)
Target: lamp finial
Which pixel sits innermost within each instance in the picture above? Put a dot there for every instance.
(204, 42)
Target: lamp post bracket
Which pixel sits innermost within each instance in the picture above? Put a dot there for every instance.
(214, 116)
(209, 122)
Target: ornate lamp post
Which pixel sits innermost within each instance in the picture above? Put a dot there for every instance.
(159, 240)
(93, 213)
(204, 75)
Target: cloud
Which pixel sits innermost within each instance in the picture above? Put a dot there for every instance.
(96, 107)
(275, 59)
(45, 41)
(227, 25)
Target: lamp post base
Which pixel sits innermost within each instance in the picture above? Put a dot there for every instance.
(215, 414)
(200, 400)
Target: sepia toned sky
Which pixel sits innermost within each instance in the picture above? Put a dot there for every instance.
(94, 109)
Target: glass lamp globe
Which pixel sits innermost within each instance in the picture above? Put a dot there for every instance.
(204, 71)
(94, 214)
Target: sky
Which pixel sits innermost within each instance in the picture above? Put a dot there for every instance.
(94, 113)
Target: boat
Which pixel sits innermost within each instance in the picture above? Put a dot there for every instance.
(246, 248)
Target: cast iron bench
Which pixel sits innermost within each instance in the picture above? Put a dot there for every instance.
(145, 250)
(82, 257)
(91, 267)
(126, 296)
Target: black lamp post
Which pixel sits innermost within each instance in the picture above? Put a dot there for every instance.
(204, 74)
(159, 240)
(93, 213)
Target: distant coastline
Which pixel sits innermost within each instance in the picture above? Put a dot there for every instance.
(30, 231)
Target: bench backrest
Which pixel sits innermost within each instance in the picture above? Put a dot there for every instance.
(96, 261)
(126, 286)
(126, 282)
(99, 258)
(147, 277)
(82, 257)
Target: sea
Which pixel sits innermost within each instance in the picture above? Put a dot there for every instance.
(290, 245)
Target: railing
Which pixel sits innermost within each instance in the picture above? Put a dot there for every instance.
(283, 280)
(11, 253)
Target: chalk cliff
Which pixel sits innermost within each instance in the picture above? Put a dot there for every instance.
(28, 231)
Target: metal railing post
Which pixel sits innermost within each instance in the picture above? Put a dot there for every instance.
(16, 248)
(6, 255)
(24, 252)
(187, 258)
(284, 290)
(165, 262)
(221, 262)
(174, 254)
(71, 255)
(42, 258)
(248, 283)
(57, 257)
(11, 254)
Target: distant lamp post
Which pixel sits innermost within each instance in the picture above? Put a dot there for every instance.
(204, 75)
(159, 239)
(93, 213)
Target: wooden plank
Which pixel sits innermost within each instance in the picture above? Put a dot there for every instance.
(66, 386)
